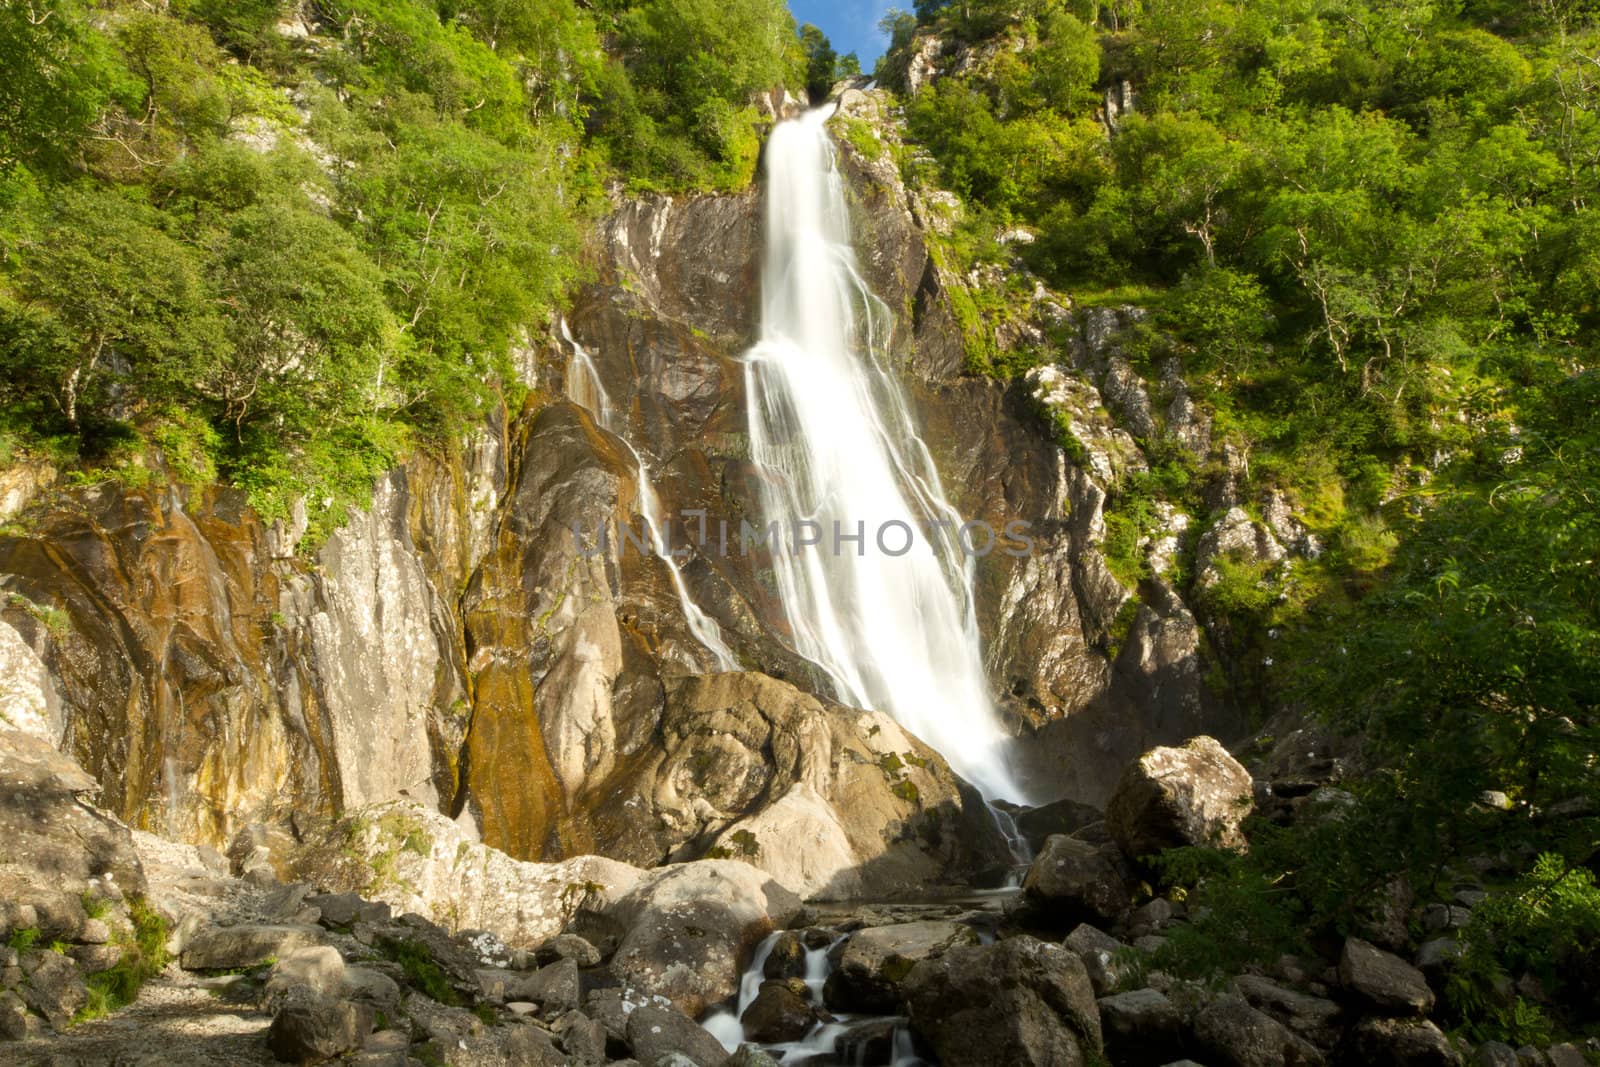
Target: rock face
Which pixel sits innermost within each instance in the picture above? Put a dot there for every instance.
(457, 645)
(1016, 1001)
(1170, 797)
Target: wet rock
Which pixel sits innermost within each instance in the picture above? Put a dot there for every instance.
(222, 948)
(654, 1032)
(787, 959)
(1230, 1033)
(781, 1011)
(1015, 1001)
(689, 927)
(312, 1027)
(1383, 981)
(1070, 882)
(1171, 797)
(750, 1056)
(1141, 1027)
(1403, 1043)
(873, 964)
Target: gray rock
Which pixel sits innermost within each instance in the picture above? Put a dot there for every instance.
(1435, 956)
(13, 1017)
(653, 1032)
(1439, 917)
(223, 948)
(1403, 1043)
(872, 965)
(1015, 1001)
(1141, 1027)
(787, 959)
(1495, 1054)
(1565, 1055)
(1382, 980)
(52, 987)
(367, 986)
(781, 1011)
(553, 988)
(93, 959)
(1230, 1033)
(1314, 1018)
(1072, 882)
(582, 1038)
(347, 909)
(1170, 797)
(689, 926)
(319, 968)
(568, 947)
(311, 1027)
(750, 1056)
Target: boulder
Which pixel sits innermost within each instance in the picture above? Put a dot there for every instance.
(311, 1027)
(688, 928)
(1141, 1027)
(1495, 1054)
(225, 948)
(319, 968)
(568, 947)
(654, 1032)
(872, 965)
(347, 909)
(1313, 1018)
(554, 988)
(14, 1017)
(1383, 981)
(1072, 882)
(781, 1011)
(1228, 1032)
(582, 1038)
(1099, 953)
(52, 987)
(1171, 797)
(1015, 1001)
(1403, 1043)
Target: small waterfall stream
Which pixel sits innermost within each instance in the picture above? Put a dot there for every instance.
(585, 389)
(823, 1043)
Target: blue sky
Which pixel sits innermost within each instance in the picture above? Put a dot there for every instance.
(852, 25)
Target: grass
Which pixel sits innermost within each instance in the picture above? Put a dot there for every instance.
(144, 955)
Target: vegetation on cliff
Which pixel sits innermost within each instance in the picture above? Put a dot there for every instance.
(1368, 230)
(285, 243)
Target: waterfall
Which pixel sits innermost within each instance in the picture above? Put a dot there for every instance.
(831, 429)
(585, 389)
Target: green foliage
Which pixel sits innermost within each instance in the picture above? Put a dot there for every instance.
(421, 972)
(144, 955)
(675, 109)
(23, 938)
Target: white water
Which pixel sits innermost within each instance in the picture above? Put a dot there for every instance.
(823, 1039)
(831, 428)
(584, 388)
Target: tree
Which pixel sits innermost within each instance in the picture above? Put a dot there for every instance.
(822, 62)
(51, 91)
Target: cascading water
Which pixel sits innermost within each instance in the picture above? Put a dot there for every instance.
(831, 429)
(585, 389)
